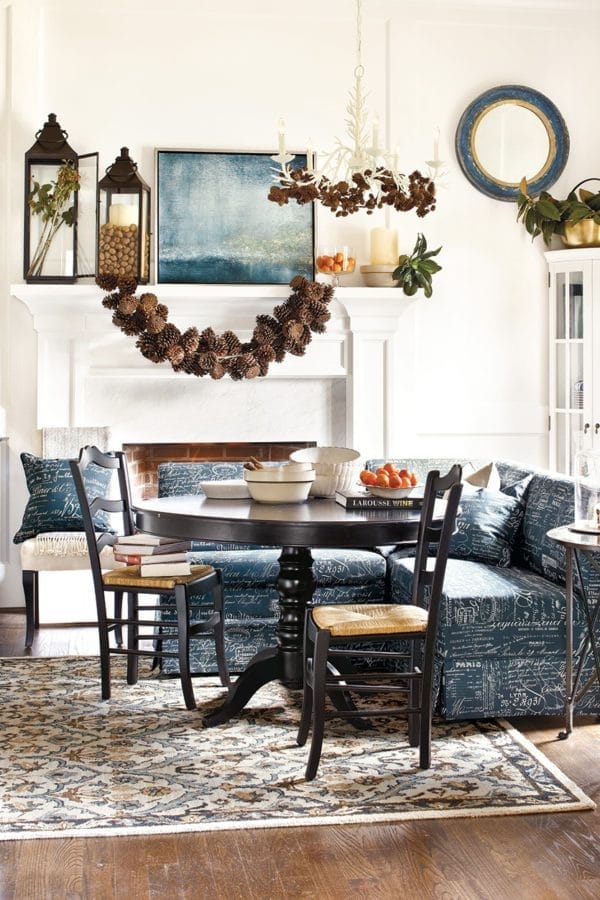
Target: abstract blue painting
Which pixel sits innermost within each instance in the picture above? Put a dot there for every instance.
(216, 226)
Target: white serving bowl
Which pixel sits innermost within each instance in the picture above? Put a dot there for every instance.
(280, 484)
(231, 489)
(393, 493)
(279, 474)
(336, 468)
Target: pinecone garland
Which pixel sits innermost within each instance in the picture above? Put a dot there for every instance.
(288, 330)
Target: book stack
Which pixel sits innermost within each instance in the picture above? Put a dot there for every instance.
(156, 556)
(363, 500)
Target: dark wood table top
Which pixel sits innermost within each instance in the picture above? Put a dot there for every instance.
(315, 523)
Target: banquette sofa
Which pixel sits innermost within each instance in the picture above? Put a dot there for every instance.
(502, 632)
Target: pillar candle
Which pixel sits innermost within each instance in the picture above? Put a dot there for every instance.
(384, 247)
(123, 214)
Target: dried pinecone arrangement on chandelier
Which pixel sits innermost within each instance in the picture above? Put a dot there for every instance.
(288, 330)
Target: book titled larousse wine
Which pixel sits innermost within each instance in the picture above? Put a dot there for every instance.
(358, 500)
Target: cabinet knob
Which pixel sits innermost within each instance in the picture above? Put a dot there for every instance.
(586, 427)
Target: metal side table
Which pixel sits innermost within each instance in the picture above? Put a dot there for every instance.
(577, 543)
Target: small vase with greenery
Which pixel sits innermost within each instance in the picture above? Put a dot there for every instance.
(415, 271)
(576, 220)
(50, 202)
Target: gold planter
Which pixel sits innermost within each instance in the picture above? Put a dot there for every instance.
(583, 234)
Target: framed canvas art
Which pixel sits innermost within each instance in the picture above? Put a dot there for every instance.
(216, 226)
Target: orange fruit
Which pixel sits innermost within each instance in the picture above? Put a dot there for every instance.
(405, 482)
(381, 471)
(395, 481)
(413, 479)
(403, 473)
(383, 480)
(390, 468)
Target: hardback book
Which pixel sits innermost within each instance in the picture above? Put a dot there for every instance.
(149, 549)
(359, 500)
(136, 559)
(170, 568)
(146, 539)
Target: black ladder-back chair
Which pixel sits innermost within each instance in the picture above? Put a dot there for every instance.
(327, 666)
(204, 580)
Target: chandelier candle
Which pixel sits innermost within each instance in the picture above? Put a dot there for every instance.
(384, 247)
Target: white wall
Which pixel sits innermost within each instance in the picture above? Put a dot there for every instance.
(203, 74)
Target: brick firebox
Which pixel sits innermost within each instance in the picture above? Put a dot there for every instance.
(143, 459)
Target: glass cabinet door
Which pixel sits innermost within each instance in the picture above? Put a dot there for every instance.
(570, 366)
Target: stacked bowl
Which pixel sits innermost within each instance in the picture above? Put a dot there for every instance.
(289, 483)
(336, 468)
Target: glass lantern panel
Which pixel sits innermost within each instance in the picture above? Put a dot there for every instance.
(576, 305)
(145, 242)
(51, 239)
(87, 236)
(560, 305)
(118, 242)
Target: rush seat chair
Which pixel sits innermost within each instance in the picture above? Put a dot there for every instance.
(328, 666)
(204, 582)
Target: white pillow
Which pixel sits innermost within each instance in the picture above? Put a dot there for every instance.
(486, 477)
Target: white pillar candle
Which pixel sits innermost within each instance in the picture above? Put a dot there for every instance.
(384, 247)
(123, 214)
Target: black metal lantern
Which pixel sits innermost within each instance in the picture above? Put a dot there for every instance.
(51, 185)
(124, 209)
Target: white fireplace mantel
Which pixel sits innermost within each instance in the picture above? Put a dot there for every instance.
(369, 344)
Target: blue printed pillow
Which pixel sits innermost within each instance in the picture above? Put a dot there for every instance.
(53, 503)
(487, 525)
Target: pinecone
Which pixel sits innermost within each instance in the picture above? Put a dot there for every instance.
(168, 336)
(127, 285)
(128, 324)
(190, 340)
(175, 354)
(207, 360)
(217, 371)
(298, 282)
(262, 334)
(148, 347)
(155, 324)
(282, 312)
(127, 305)
(148, 302)
(208, 339)
(162, 310)
(265, 354)
(111, 301)
(107, 281)
(293, 330)
(328, 293)
(231, 343)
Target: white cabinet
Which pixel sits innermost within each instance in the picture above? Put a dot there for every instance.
(574, 357)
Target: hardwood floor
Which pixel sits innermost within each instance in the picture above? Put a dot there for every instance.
(529, 856)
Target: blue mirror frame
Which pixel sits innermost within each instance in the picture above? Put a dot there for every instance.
(544, 109)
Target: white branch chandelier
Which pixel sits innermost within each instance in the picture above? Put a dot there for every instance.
(355, 175)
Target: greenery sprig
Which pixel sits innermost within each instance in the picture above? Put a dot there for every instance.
(49, 201)
(546, 216)
(415, 271)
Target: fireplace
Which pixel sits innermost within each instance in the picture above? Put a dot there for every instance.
(143, 459)
(354, 387)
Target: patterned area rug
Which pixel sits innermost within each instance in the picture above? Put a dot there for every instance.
(141, 763)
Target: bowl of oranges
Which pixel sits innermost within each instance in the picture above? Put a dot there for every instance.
(335, 262)
(389, 481)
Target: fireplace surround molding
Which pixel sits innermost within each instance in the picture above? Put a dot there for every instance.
(363, 359)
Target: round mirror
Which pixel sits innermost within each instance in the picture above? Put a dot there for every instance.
(509, 133)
